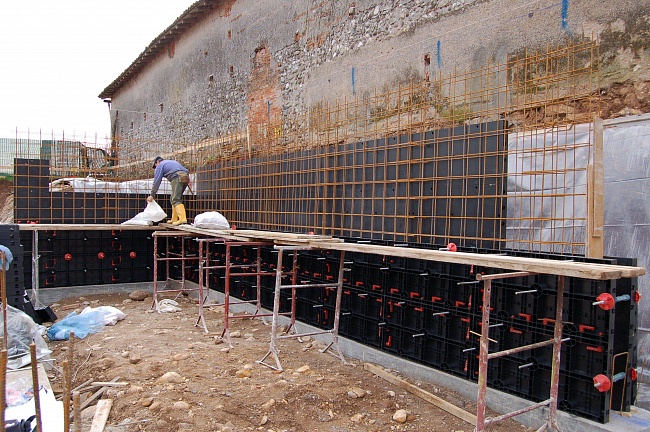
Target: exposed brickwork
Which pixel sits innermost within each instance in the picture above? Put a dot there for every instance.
(264, 114)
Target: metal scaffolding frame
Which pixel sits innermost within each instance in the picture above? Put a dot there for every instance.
(205, 266)
(273, 348)
(169, 257)
(484, 356)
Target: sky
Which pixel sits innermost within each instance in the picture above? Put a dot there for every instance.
(56, 57)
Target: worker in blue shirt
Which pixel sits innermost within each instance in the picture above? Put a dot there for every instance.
(179, 177)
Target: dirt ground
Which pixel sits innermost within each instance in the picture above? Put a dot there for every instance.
(181, 379)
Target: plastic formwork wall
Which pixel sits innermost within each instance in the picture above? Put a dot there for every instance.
(430, 312)
(433, 187)
(80, 257)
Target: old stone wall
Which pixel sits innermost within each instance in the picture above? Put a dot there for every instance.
(257, 65)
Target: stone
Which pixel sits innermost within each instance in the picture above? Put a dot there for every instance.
(146, 402)
(264, 420)
(181, 405)
(138, 295)
(88, 413)
(243, 373)
(135, 359)
(303, 369)
(235, 334)
(181, 356)
(268, 404)
(356, 418)
(171, 377)
(134, 389)
(356, 392)
(400, 416)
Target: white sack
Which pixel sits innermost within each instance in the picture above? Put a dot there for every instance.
(152, 213)
(211, 220)
(110, 314)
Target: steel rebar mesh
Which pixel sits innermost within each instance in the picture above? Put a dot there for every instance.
(492, 157)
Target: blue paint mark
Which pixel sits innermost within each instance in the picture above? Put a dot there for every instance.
(354, 91)
(268, 109)
(565, 16)
(439, 55)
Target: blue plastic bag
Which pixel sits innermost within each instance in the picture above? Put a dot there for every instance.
(9, 256)
(82, 325)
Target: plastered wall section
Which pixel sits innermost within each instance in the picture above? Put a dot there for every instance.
(259, 65)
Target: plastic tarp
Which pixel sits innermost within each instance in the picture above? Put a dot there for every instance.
(22, 331)
(547, 176)
(91, 184)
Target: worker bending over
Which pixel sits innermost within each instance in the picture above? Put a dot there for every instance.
(179, 177)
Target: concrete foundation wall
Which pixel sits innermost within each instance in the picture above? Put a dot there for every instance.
(251, 64)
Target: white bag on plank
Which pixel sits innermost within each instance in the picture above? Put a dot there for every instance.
(211, 220)
(152, 213)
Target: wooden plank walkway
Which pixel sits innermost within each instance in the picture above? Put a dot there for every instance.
(500, 261)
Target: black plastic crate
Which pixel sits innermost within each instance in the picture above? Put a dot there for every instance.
(404, 315)
(405, 343)
(448, 355)
(449, 324)
(366, 304)
(588, 360)
(578, 396)
(367, 277)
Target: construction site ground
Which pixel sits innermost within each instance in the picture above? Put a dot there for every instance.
(181, 379)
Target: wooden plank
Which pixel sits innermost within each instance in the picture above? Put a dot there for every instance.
(208, 233)
(87, 227)
(435, 400)
(533, 265)
(595, 243)
(95, 395)
(109, 384)
(255, 235)
(101, 415)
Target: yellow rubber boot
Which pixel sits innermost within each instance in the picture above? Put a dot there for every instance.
(180, 211)
(174, 215)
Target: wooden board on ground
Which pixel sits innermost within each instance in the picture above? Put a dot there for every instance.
(435, 400)
(96, 395)
(101, 415)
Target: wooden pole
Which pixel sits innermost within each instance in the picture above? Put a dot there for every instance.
(3, 385)
(66, 395)
(3, 294)
(76, 400)
(36, 387)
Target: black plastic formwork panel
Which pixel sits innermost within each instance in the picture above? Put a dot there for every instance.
(445, 184)
(31, 190)
(15, 275)
(89, 257)
(34, 202)
(427, 312)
